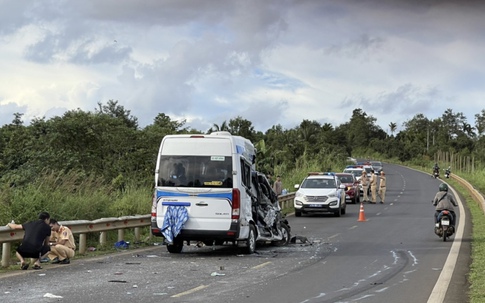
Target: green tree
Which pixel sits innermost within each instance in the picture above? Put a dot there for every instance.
(392, 128)
(242, 127)
(114, 110)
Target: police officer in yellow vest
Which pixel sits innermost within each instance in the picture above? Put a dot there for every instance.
(373, 186)
(382, 187)
(63, 246)
(365, 186)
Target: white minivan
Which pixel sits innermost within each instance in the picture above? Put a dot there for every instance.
(203, 191)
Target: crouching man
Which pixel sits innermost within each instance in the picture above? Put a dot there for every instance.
(63, 246)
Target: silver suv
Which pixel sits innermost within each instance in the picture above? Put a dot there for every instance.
(320, 193)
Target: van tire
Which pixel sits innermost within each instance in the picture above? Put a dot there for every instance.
(176, 247)
(251, 241)
(285, 229)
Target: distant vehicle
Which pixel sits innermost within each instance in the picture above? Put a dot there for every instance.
(368, 170)
(357, 172)
(320, 192)
(352, 160)
(352, 189)
(377, 165)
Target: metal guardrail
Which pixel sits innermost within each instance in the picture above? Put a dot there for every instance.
(477, 196)
(286, 201)
(83, 227)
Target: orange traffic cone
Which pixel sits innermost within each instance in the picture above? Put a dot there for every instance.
(362, 214)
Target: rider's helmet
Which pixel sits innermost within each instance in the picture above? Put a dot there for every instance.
(443, 187)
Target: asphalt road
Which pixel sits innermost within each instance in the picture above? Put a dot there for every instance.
(392, 257)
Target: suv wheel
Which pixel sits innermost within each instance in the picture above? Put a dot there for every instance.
(297, 213)
(338, 213)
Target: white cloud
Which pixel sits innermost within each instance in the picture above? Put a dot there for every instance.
(271, 62)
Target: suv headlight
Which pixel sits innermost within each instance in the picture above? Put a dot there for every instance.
(331, 195)
(299, 194)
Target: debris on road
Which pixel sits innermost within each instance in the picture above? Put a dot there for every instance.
(49, 295)
(301, 239)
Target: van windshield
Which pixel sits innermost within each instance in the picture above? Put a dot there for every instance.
(195, 171)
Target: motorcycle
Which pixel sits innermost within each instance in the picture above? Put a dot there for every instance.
(447, 173)
(436, 174)
(443, 228)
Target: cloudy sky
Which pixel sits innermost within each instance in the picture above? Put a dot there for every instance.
(270, 62)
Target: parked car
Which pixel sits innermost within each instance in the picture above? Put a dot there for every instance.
(368, 169)
(357, 172)
(377, 165)
(352, 189)
(320, 192)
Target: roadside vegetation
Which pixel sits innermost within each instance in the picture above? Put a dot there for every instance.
(477, 269)
(93, 164)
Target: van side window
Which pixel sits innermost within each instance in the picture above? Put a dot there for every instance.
(245, 174)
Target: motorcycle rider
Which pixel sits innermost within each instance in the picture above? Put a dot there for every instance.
(436, 168)
(448, 172)
(443, 200)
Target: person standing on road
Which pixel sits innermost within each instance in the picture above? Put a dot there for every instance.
(365, 186)
(64, 246)
(35, 243)
(382, 187)
(373, 186)
(278, 186)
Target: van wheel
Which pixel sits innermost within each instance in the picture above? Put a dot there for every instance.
(285, 230)
(251, 241)
(176, 247)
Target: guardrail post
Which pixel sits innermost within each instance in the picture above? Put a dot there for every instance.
(121, 234)
(137, 234)
(102, 238)
(82, 244)
(6, 254)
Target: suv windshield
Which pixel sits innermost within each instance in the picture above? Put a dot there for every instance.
(318, 183)
(195, 171)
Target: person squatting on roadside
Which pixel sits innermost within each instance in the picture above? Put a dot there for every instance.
(444, 200)
(35, 243)
(278, 186)
(365, 186)
(382, 187)
(373, 186)
(62, 244)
